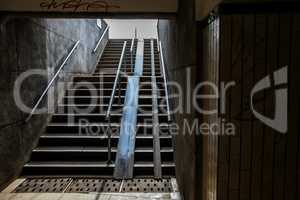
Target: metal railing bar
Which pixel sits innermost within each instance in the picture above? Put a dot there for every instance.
(131, 53)
(132, 44)
(116, 81)
(165, 80)
(155, 120)
(100, 40)
(111, 102)
(51, 81)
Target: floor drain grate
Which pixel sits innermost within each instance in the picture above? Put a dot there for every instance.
(94, 185)
(37, 185)
(69, 185)
(147, 185)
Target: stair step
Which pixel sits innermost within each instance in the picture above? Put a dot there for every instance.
(84, 149)
(113, 69)
(70, 148)
(110, 85)
(102, 108)
(72, 164)
(83, 83)
(96, 117)
(116, 63)
(93, 153)
(63, 139)
(99, 128)
(108, 66)
(69, 164)
(72, 168)
(107, 78)
(128, 73)
(107, 92)
(106, 99)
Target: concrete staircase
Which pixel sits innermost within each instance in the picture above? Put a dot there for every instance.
(75, 141)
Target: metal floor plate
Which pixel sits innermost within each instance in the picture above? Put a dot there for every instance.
(94, 185)
(38, 185)
(147, 185)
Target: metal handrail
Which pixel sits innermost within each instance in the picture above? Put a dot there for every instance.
(165, 80)
(132, 43)
(51, 82)
(157, 44)
(131, 52)
(116, 82)
(155, 121)
(112, 97)
(100, 40)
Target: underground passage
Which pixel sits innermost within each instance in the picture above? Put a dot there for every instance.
(139, 99)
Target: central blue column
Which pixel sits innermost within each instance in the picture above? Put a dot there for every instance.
(125, 156)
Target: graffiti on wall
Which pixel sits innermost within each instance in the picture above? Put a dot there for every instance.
(77, 5)
(82, 6)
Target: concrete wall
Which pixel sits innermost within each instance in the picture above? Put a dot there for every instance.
(34, 43)
(179, 43)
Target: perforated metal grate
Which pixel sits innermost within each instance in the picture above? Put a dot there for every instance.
(35, 185)
(94, 185)
(147, 185)
(69, 185)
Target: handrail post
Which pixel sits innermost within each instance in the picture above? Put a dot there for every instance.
(119, 91)
(109, 133)
(107, 116)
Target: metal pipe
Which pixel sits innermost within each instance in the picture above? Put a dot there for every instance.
(116, 81)
(132, 43)
(51, 82)
(109, 143)
(155, 121)
(100, 40)
(165, 80)
(111, 102)
(131, 52)
(157, 42)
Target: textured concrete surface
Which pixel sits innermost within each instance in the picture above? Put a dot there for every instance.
(179, 42)
(34, 43)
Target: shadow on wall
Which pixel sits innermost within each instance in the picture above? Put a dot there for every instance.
(179, 43)
(34, 43)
